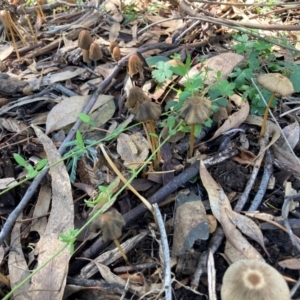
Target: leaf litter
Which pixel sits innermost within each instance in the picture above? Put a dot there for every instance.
(57, 105)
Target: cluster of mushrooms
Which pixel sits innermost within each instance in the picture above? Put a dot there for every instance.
(91, 51)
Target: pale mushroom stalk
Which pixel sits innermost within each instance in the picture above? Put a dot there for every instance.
(192, 140)
(121, 250)
(263, 126)
(154, 142)
(276, 83)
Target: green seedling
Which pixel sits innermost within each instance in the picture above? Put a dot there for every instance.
(87, 119)
(31, 171)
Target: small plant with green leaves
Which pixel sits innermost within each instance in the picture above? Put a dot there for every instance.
(31, 171)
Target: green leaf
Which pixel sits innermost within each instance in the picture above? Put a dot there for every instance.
(162, 72)
(179, 70)
(84, 118)
(222, 102)
(171, 122)
(41, 164)
(20, 160)
(153, 60)
(198, 129)
(79, 140)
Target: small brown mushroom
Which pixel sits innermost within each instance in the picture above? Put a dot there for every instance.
(84, 40)
(147, 112)
(135, 98)
(253, 279)
(85, 57)
(196, 110)
(116, 54)
(277, 84)
(112, 45)
(111, 223)
(95, 53)
(135, 67)
(114, 49)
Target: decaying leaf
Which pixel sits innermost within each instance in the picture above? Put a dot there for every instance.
(292, 263)
(133, 150)
(235, 120)
(18, 269)
(219, 203)
(188, 230)
(247, 226)
(50, 281)
(66, 112)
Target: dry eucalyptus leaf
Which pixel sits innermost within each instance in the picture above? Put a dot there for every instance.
(188, 230)
(132, 152)
(7, 182)
(248, 227)
(53, 276)
(235, 120)
(224, 63)
(291, 133)
(100, 116)
(219, 203)
(14, 125)
(67, 111)
(114, 31)
(64, 74)
(292, 263)
(17, 265)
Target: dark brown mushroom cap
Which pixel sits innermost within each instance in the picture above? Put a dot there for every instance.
(276, 83)
(136, 97)
(135, 65)
(148, 111)
(196, 110)
(111, 224)
(95, 52)
(251, 279)
(84, 40)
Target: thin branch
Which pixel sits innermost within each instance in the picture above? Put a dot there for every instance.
(166, 253)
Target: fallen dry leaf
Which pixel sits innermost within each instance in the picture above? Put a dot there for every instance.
(234, 121)
(66, 112)
(50, 281)
(132, 154)
(219, 203)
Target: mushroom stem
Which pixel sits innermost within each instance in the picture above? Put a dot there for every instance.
(148, 137)
(263, 126)
(121, 250)
(192, 141)
(154, 140)
(9, 25)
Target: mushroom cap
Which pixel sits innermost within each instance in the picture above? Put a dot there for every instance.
(111, 223)
(116, 54)
(276, 83)
(84, 40)
(196, 110)
(135, 65)
(136, 97)
(147, 111)
(85, 56)
(253, 279)
(95, 52)
(112, 45)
